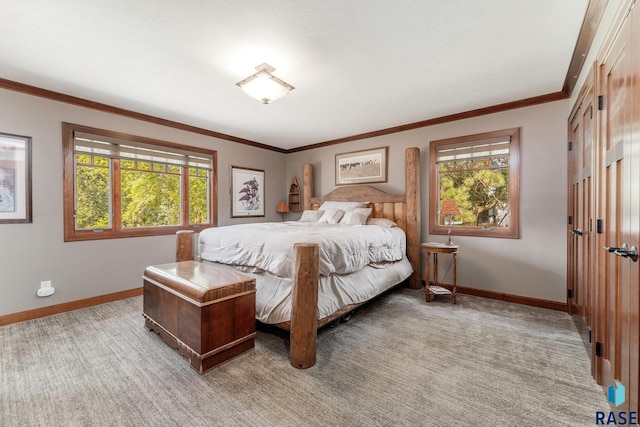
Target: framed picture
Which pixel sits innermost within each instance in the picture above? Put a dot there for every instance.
(15, 178)
(247, 192)
(361, 167)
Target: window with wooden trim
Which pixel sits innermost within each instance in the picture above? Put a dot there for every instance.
(119, 185)
(481, 174)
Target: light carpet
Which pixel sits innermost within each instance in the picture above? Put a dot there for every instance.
(398, 361)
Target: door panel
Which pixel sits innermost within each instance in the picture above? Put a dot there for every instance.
(604, 197)
(580, 265)
(632, 229)
(573, 202)
(620, 303)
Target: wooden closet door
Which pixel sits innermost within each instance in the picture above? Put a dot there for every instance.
(586, 294)
(581, 208)
(633, 229)
(573, 279)
(617, 288)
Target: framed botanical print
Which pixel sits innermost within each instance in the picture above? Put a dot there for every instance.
(15, 178)
(247, 192)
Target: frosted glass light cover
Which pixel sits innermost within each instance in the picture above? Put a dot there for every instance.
(264, 86)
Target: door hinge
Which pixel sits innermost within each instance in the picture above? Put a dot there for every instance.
(591, 112)
(599, 227)
(590, 225)
(569, 293)
(600, 102)
(598, 349)
(570, 220)
(570, 145)
(589, 336)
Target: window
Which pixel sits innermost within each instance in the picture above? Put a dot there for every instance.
(479, 172)
(118, 185)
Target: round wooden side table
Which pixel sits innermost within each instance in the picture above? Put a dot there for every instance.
(436, 288)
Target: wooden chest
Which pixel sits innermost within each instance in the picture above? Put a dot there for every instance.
(204, 311)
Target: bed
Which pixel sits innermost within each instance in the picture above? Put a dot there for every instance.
(301, 284)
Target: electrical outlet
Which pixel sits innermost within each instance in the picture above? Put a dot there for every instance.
(45, 289)
(45, 292)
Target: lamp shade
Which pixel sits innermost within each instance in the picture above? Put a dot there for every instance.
(450, 207)
(282, 207)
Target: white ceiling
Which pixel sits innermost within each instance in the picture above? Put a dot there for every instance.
(357, 65)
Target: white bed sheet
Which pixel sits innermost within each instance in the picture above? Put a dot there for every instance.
(268, 247)
(273, 294)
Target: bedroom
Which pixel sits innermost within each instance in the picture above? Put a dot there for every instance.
(533, 266)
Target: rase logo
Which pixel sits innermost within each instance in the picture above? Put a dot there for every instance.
(616, 396)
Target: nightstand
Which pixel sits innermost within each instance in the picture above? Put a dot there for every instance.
(437, 289)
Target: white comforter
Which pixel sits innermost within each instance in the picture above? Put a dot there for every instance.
(268, 247)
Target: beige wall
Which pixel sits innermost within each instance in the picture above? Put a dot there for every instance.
(31, 253)
(532, 266)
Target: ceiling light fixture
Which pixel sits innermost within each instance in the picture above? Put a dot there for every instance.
(264, 86)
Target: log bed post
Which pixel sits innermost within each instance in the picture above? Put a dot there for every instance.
(304, 306)
(184, 245)
(307, 180)
(412, 189)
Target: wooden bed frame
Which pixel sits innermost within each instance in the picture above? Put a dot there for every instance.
(404, 209)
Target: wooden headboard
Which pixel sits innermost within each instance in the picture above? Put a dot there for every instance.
(403, 208)
(383, 205)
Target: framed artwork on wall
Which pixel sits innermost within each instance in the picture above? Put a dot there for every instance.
(360, 167)
(15, 178)
(247, 192)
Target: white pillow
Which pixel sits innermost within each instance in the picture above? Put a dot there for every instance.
(366, 212)
(353, 218)
(383, 222)
(311, 216)
(331, 216)
(343, 205)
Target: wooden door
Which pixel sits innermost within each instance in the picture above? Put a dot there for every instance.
(581, 200)
(573, 222)
(586, 294)
(618, 303)
(631, 214)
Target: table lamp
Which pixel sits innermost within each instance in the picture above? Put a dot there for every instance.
(282, 208)
(449, 207)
